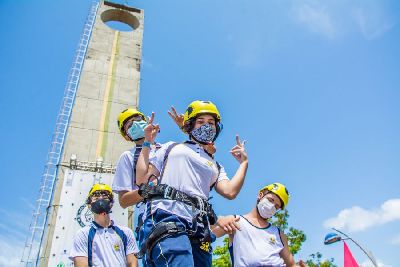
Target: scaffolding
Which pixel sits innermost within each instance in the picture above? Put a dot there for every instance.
(37, 228)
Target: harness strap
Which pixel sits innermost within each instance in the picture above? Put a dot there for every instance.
(160, 231)
(164, 191)
(166, 159)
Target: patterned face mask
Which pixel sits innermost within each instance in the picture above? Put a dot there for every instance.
(136, 131)
(204, 134)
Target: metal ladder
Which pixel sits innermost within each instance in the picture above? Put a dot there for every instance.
(37, 228)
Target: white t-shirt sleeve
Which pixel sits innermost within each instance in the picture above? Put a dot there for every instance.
(124, 178)
(222, 174)
(157, 159)
(80, 245)
(131, 246)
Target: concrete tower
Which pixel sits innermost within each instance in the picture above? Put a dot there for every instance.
(104, 80)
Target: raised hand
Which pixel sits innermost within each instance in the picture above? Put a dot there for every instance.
(151, 130)
(177, 118)
(229, 224)
(239, 151)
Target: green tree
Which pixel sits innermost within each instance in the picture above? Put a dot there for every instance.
(295, 237)
(315, 261)
(223, 259)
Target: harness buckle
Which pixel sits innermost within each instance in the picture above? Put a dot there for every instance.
(168, 193)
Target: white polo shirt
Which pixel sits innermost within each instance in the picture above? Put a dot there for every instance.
(108, 248)
(254, 246)
(125, 176)
(188, 169)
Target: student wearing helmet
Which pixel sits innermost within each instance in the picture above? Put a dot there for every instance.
(103, 243)
(178, 215)
(253, 241)
(131, 123)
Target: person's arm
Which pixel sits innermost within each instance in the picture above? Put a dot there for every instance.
(131, 248)
(225, 225)
(129, 198)
(231, 188)
(79, 252)
(285, 253)
(131, 260)
(81, 262)
(124, 182)
(143, 168)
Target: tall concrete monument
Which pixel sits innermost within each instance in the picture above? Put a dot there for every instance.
(104, 80)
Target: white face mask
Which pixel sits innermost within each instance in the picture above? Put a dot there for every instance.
(265, 208)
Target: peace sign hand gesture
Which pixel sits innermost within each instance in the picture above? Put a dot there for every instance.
(239, 151)
(177, 118)
(151, 130)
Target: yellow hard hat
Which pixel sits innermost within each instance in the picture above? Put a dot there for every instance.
(279, 190)
(125, 115)
(201, 107)
(99, 187)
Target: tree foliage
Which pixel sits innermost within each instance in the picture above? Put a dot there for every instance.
(295, 237)
(223, 258)
(315, 261)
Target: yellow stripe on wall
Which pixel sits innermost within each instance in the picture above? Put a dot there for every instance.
(108, 94)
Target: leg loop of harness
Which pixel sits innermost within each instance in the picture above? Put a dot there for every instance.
(160, 231)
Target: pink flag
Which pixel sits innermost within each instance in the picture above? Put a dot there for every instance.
(349, 260)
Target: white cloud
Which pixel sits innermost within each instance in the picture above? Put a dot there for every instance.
(371, 21)
(10, 252)
(396, 240)
(368, 263)
(316, 18)
(14, 226)
(332, 19)
(357, 219)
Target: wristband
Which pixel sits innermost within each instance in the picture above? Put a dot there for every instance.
(146, 144)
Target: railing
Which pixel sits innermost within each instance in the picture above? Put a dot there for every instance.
(33, 245)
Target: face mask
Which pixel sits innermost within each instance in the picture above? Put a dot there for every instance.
(100, 206)
(204, 134)
(136, 131)
(265, 208)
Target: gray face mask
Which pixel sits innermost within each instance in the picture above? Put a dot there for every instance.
(204, 134)
(101, 206)
(265, 208)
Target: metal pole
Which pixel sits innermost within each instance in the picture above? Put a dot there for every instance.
(369, 255)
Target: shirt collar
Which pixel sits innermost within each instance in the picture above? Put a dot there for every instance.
(98, 226)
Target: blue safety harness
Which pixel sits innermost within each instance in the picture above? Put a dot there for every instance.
(92, 233)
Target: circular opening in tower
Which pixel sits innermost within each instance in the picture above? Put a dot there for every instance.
(120, 20)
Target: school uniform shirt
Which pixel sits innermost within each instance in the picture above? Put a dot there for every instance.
(107, 249)
(125, 176)
(253, 246)
(188, 169)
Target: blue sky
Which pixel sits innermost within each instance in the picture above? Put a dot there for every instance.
(313, 86)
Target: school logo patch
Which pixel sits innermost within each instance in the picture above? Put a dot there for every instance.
(205, 246)
(84, 216)
(209, 163)
(272, 240)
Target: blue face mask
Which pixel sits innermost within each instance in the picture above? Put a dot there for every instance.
(204, 134)
(136, 131)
